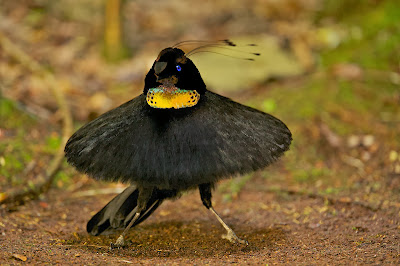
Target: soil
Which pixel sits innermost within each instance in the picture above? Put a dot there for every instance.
(280, 228)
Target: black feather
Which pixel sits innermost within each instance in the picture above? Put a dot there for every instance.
(116, 214)
(177, 149)
(165, 151)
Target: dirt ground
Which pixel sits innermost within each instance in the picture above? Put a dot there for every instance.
(280, 228)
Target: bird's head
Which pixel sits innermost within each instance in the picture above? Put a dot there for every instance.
(173, 81)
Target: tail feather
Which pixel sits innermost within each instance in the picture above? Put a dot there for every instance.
(118, 212)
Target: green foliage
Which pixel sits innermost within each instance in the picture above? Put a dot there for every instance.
(12, 117)
(52, 143)
(340, 102)
(35, 16)
(17, 148)
(6, 108)
(233, 187)
(309, 175)
(378, 24)
(269, 105)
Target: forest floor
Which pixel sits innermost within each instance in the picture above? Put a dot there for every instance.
(334, 198)
(280, 228)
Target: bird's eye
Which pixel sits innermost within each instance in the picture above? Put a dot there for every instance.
(178, 67)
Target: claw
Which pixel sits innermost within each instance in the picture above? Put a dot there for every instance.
(232, 237)
(119, 243)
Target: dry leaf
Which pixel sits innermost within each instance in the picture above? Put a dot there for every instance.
(20, 257)
(43, 204)
(348, 71)
(3, 196)
(76, 236)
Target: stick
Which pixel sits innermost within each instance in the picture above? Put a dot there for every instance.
(330, 200)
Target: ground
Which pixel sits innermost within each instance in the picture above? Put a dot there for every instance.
(328, 69)
(280, 228)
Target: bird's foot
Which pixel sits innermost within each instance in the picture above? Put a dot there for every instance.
(232, 237)
(120, 243)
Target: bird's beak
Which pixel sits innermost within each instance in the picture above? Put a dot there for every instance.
(159, 67)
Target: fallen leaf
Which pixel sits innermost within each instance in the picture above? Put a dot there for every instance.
(348, 71)
(393, 155)
(43, 204)
(20, 257)
(3, 196)
(164, 213)
(331, 137)
(126, 261)
(76, 235)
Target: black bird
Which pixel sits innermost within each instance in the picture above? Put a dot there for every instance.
(175, 136)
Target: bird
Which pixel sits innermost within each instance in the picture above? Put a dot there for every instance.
(174, 137)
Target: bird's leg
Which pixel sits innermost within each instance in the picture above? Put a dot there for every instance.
(205, 194)
(143, 198)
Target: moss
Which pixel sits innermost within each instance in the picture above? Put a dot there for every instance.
(17, 151)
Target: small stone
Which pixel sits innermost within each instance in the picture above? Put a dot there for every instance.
(353, 141)
(366, 156)
(368, 140)
(395, 78)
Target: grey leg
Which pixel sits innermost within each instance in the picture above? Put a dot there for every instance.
(205, 194)
(143, 198)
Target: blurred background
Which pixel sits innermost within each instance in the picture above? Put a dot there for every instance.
(329, 69)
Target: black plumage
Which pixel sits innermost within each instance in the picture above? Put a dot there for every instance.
(118, 212)
(161, 152)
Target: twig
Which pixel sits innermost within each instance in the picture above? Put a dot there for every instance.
(389, 229)
(83, 245)
(325, 198)
(44, 183)
(94, 192)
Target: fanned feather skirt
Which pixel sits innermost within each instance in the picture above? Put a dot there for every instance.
(177, 148)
